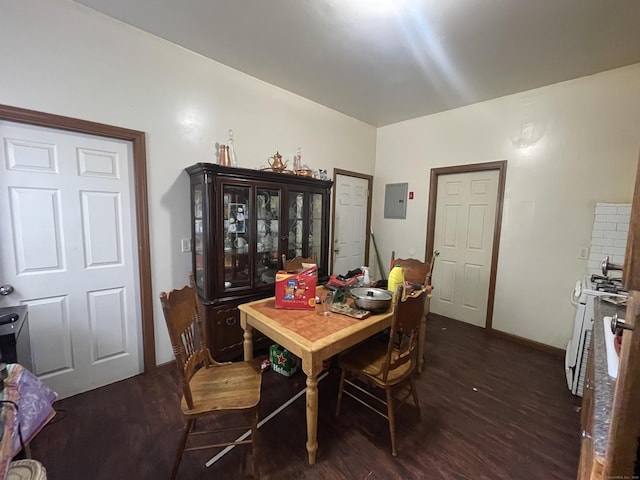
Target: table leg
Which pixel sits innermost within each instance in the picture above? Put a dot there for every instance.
(422, 336)
(312, 418)
(312, 409)
(247, 336)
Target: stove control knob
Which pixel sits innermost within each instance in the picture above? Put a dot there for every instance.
(618, 325)
(607, 266)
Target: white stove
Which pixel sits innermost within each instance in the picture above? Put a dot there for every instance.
(584, 293)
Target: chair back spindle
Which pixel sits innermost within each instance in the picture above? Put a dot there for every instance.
(295, 264)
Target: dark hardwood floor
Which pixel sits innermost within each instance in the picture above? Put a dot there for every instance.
(491, 409)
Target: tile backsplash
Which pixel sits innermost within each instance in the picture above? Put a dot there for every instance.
(609, 235)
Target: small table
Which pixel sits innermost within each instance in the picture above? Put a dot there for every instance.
(311, 337)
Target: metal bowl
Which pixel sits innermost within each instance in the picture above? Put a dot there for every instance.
(375, 300)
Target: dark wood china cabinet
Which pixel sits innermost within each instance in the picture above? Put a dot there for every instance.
(242, 222)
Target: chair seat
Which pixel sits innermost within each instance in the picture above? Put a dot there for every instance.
(234, 386)
(368, 358)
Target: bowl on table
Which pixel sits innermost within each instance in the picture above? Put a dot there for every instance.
(375, 300)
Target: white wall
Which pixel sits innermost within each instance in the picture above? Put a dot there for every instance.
(62, 58)
(586, 138)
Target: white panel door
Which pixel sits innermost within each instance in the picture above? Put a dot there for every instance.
(465, 214)
(350, 236)
(67, 220)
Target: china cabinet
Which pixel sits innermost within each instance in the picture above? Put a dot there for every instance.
(242, 222)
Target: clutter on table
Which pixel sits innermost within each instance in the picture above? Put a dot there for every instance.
(358, 277)
(350, 311)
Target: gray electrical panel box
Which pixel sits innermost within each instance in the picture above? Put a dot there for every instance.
(395, 200)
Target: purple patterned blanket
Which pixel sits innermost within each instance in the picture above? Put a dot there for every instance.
(34, 400)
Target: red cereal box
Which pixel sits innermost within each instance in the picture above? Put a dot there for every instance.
(296, 290)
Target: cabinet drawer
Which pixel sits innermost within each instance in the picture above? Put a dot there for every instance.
(224, 333)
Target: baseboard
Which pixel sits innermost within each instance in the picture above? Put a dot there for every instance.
(165, 365)
(556, 352)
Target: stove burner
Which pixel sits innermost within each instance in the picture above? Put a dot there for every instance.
(606, 284)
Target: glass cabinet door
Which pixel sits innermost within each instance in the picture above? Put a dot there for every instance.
(296, 206)
(267, 235)
(198, 235)
(235, 235)
(315, 226)
(304, 225)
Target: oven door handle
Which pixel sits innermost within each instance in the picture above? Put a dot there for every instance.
(575, 295)
(574, 302)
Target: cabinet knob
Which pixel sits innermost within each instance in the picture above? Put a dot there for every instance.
(230, 321)
(584, 434)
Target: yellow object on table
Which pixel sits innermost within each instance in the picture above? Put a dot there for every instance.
(396, 277)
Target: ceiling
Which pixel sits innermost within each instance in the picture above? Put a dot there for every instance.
(384, 61)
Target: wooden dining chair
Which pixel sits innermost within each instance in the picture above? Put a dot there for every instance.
(209, 388)
(388, 366)
(415, 271)
(295, 264)
(419, 274)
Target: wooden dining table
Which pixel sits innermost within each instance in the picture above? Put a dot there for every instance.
(312, 337)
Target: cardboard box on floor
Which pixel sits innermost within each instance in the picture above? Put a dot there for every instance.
(283, 361)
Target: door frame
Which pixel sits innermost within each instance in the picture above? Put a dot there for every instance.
(501, 166)
(137, 138)
(369, 179)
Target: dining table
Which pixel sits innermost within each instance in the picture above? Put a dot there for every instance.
(312, 337)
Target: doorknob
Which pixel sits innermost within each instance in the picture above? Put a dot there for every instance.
(6, 289)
